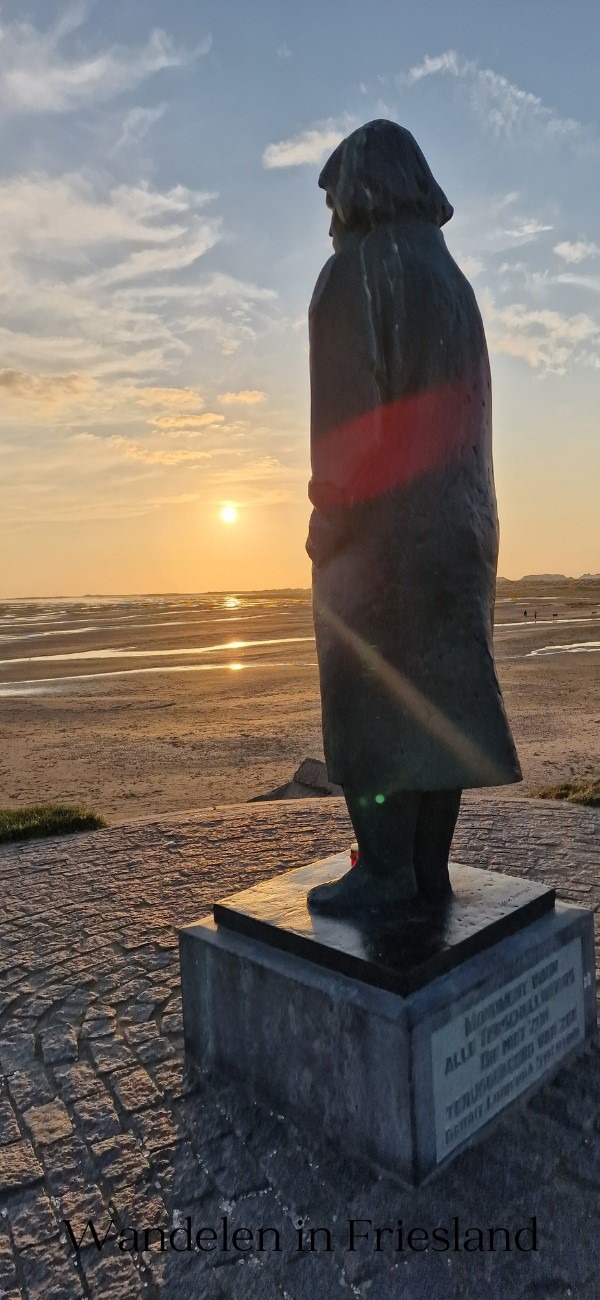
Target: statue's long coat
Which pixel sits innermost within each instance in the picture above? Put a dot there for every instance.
(404, 533)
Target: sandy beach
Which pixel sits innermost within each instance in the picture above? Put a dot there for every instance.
(152, 704)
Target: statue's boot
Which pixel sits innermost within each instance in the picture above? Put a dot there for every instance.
(360, 891)
(383, 878)
(404, 842)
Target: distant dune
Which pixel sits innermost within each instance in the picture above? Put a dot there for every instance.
(557, 583)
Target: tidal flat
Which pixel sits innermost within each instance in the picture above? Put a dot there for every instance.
(144, 705)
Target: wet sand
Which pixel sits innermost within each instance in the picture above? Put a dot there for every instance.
(155, 704)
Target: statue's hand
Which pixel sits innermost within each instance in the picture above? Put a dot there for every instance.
(326, 536)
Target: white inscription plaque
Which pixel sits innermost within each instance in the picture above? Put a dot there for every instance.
(486, 1056)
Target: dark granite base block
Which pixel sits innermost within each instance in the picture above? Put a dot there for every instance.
(403, 1082)
(402, 951)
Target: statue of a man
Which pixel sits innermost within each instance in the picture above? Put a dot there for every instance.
(404, 530)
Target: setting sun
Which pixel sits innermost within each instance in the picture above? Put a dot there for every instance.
(229, 514)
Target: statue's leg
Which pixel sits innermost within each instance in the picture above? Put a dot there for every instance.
(438, 813)
(384, 874)
(385, 831)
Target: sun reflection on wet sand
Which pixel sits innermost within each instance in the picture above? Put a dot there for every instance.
(127, 653)
(578, 647)
(77, 681)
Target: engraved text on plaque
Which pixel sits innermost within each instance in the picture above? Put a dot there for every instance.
(485, 1057)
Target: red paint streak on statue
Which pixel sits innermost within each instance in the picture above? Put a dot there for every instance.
(395, 444)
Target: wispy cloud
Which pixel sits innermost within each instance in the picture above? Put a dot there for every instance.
(39, 75)
(470, 266)
(263, 481)
(54, 390)
(117, 446)
(502, 107)
(181, 499)
(525, 230)
(146, 262)
(547, 340)
(493, 223)
(257, 471)
(591, 282)
(215, 288)
(104, 475)
(136, 124)
(70, 218)
(182, 398)
(577, 251)
(309, 146)
(193, 425)
(537, 283)
(158, 455)
(430, 66)
(73, 255)
(103, 306)
(245, 397)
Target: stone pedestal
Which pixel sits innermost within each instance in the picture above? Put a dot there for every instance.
(400, 1043)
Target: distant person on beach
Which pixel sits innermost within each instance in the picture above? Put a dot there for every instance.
(404, 531)
(535, 615)
(524, 613)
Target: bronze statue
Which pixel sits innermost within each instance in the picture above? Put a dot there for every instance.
(404, 531)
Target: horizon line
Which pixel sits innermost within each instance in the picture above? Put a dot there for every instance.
(232, 591)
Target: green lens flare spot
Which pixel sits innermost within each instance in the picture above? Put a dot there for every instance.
(379, 798)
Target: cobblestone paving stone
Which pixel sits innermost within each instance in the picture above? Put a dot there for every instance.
(99, 1120)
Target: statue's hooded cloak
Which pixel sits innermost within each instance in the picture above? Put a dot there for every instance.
(404, 531)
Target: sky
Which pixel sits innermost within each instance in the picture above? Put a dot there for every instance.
(161, 230)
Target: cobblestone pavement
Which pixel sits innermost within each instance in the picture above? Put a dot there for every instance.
(99, 1122)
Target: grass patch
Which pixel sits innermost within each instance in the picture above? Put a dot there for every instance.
(583, 792)
(46, 819)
